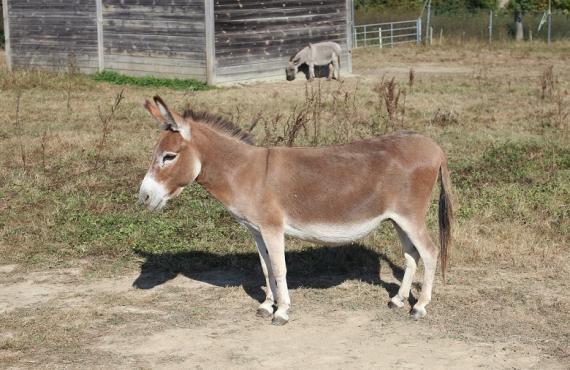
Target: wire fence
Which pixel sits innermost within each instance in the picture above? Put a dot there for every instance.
(387, 34)
(460, 27)
(500, 26)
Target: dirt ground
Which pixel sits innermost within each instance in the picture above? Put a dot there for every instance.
(207, 321)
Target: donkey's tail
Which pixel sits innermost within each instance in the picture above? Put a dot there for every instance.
(445, 215)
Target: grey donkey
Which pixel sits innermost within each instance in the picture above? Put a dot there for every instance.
(322, 53)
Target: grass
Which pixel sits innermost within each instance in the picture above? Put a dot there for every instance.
(73, 200)
(176, 84)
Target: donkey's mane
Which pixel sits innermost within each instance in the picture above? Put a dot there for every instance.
(297, 52)
(219, 124)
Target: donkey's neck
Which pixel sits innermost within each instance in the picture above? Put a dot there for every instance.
(301, 56)
(225, 162)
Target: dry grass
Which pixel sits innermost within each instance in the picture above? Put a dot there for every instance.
(472, 115)
(506, 136)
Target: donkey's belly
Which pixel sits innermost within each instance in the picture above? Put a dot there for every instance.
(322, 61)
(325, 233)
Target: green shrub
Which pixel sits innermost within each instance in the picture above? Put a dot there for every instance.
(177, 84)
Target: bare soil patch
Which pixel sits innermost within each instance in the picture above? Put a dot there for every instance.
(209, 322)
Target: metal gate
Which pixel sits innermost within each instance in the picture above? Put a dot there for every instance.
(387, 34)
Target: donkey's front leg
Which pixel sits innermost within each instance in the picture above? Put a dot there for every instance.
(275, 242)
(266, 308)
(311, 71)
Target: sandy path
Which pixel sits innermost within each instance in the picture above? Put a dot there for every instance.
(338, 340)
(187, 323)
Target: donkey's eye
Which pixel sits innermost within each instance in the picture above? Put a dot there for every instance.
(168, 157)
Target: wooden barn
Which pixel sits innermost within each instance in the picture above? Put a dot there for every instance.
(216, 41)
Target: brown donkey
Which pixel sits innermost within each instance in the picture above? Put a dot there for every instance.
(330, 195)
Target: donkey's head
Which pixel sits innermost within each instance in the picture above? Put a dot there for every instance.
(291, 69)
(175, 162)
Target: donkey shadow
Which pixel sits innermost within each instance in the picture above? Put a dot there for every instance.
(319, 268)
(320, 71)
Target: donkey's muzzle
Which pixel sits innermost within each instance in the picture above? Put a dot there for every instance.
(290, 75)
(152, 194)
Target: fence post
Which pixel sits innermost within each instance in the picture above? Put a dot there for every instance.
(364, 35)
(100, 47)
(349, 29)
(419, 31)
(430, 36)
(549, 19)
(7, 49)
(209, 20)
(490, 27)
(355, 34)
(391, 35)
(428, 20)
(380, 37)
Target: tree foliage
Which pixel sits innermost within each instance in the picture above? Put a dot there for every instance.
(440, 6)
(462, 6)
(538, 5)
(389, 4)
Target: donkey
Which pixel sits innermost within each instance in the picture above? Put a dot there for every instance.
(330, 195)
(322, 53)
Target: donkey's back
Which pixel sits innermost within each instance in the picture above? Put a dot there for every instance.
(357, 183)
(325, 52)
(328, 46)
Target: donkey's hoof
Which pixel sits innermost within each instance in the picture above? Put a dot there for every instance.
(279, 321)
(418, 313)
(263, 312)
(395, 302)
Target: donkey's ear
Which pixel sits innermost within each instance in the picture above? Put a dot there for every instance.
(166, 119)
(153, 110)
(162, 115)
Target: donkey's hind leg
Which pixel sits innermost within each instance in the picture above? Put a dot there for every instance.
(418, 235)
(412, 256)
(331, 71)
(265, 309)
(336, 66)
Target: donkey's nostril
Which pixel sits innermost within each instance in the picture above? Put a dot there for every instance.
(144, 197)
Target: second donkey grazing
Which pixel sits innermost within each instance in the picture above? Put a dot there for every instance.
(330, 195)
(320, 54)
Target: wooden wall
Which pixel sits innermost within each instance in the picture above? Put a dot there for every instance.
(255, 39)
(158, 37)
(135, 37)
(53, 34)
(214, 40)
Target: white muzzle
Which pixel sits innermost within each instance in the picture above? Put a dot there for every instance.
(153, 194)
